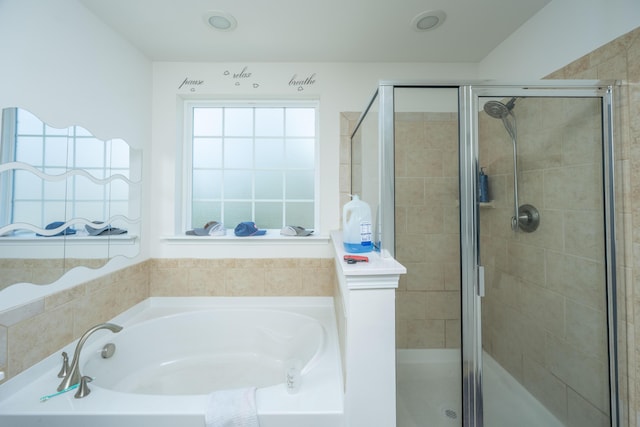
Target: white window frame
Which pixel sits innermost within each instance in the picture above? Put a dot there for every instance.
(186, 175)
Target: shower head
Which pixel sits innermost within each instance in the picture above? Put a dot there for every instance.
(498, 110)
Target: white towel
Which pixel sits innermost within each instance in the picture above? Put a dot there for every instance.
(232, 408)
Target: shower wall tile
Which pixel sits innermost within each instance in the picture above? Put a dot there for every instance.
(585, 183)
(425, 162)
(452, 334)
(443, 305)
(427, 230)
(570, 365)
(586, 329)
(581, 413)
(425, 276)
(410, 191)
(550, 232)
(583, 234)
(425, 333)
(543, 307)
(546, 388)
(424, 219)
(576, 278)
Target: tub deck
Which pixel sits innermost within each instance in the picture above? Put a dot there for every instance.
(319, 403)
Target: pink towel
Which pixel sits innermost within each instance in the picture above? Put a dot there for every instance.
(232, 408)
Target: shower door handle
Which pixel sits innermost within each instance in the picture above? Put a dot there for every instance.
(481, 281)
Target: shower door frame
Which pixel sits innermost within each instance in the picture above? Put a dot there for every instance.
(472, 274)
(471, 269)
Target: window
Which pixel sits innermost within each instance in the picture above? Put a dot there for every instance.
(28, 198)
(251, 162)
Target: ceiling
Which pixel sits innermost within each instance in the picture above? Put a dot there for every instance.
(315, 31)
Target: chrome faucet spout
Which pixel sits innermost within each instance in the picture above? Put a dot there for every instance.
(73, 376)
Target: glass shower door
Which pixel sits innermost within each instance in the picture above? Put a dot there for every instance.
(543, 248)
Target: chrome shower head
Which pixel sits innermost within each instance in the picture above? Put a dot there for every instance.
(498, 110)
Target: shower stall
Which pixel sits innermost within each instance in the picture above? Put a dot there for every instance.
(507, 314)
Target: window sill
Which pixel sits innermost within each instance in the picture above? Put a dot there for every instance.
(273, 237)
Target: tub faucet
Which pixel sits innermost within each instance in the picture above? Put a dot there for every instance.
(73, 376)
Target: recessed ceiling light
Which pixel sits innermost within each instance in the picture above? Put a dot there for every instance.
(428, 20)
(221, 21)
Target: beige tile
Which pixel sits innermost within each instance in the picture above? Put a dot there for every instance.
(410, 248)
(318, 281)
(579, 279)
(441, 135)
(18, 314)
(546, 388)
(545, 307)
(167, 282)
(442, 248)
(425, 334)
(452, 331)
(443, 305)
(441, 191)
(283, 281)
(423, 162)
(573, 188)
(584, 234)
(587, 329)
(64, 297)
(205, 282)
(526, 262)
(424, 276)
(583, 414)
(570, 365)
(411, 305)
(245, 281)
(425, 219)
(550, 231)
(37, 337)
(410, 192)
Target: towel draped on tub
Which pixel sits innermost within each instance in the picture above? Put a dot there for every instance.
(232, 408)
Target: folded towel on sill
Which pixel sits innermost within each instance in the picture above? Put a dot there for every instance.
(232, 408)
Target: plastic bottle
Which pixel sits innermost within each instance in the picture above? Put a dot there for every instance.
(483, 187)
(356, 226)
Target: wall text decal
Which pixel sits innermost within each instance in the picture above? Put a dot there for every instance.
(187, 82)
(239, 76)
(301, 83)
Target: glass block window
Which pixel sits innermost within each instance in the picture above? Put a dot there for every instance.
(251, 162)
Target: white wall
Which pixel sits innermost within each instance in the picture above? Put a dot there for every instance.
(339, 87)
(560, 33)
(64, 65)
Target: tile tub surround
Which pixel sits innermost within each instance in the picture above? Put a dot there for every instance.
(33, 331)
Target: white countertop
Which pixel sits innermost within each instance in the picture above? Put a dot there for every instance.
(377, 265)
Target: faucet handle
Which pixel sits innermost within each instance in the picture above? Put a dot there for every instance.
(83, 388)
(65, 365)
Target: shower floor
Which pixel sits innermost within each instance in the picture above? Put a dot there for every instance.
(428, 393)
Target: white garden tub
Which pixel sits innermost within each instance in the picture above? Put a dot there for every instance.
(173, 352)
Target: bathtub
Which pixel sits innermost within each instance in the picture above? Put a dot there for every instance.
(173, 352)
